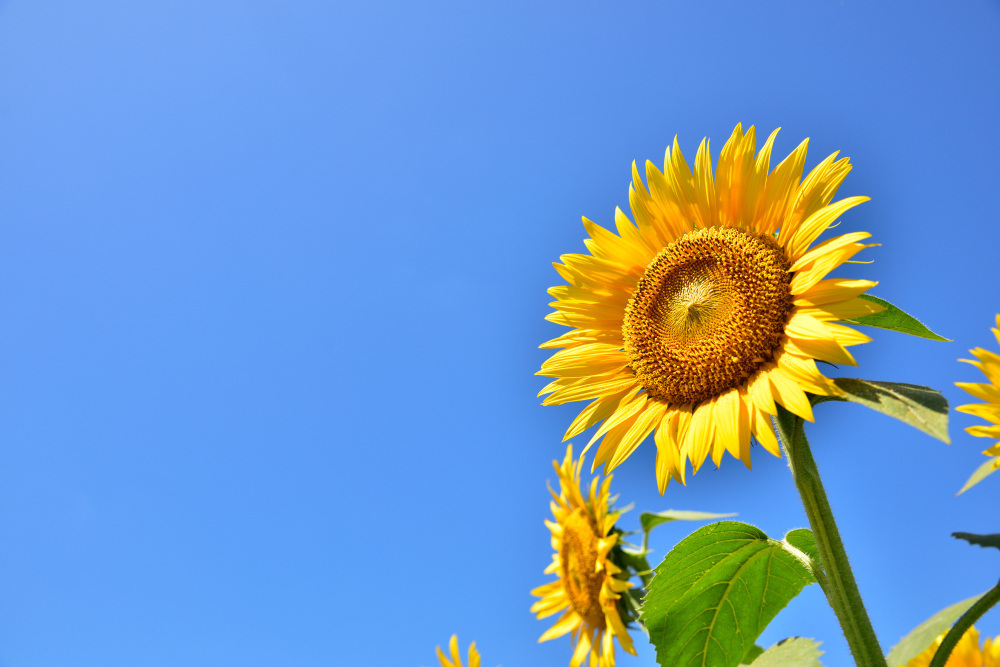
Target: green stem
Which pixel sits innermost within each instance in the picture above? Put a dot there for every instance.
(841, 589)
(982, 605)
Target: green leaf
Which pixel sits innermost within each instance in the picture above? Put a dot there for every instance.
(989, 466)
(922, 636)
(650, 520)
(804, 541)
(751, 655)
(716, 591)
(980, 540)
(894, 319)
(921, 407)
(794, 652)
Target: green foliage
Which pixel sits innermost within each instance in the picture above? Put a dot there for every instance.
(922, 636)
(793, 652)
(751, 655)
(992, 540)
(894, 319)
(803, 540)
(651, 520)
(921, 407)
(716, 591)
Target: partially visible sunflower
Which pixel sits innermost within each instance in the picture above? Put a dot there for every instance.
(586, 590)
(696, 320)
(989, 364)
(456, 659)
(965, 654)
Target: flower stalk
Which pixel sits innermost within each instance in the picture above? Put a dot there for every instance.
(840, 587)
(982, 605)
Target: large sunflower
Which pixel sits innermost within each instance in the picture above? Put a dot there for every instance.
(587, 590)
(456, 658)
(694, 321)
(989, 364)
(965, 654)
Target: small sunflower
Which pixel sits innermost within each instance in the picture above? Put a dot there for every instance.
(456, 659)
(965, 654)
(696, 320)
(989, 364)
(587, 590)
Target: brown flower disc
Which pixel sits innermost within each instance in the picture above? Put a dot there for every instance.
(709, 310)
(578, 560)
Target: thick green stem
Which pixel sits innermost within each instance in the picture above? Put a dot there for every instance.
(982, 605)
(840, 587)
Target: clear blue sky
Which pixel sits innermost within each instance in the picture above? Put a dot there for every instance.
(272, 280)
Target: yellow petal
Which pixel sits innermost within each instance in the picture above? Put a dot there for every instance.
(566, 623)
(809, 229)
(833, 290)
(700, 435)
(648, 420)
(762, 430)
(789, 394)
(760, 392)
(727, 428)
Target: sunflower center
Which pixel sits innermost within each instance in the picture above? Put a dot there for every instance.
(709, 310)
(578, 560)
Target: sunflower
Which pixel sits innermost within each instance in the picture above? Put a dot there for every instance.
(989, 364)
(712, 307)
(965, 654)
(456, 659)
(587, 590)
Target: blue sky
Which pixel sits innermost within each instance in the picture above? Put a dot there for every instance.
(273, 280)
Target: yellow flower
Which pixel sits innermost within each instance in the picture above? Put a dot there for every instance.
(694, 321)
(966, 653)
(587, 590)
(989, 364)
(456, 659)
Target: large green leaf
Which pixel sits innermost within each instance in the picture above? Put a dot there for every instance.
(794, 652)
(751, 655)
(920, 407)
(992, 540)
(894, 319)
(922, 636)
(716, 591)
(650, 520)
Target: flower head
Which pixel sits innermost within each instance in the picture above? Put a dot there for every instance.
(965, 654)
(587, 592)
(989, 363)
(694, 321)
(456, 659)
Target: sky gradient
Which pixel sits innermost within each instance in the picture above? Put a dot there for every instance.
(273, 284)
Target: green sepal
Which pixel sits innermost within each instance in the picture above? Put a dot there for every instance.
(921, 637)
(894, 319)
(984, 541)
(632, 564)
(792, 652)
(716, 591)
(921, 407)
